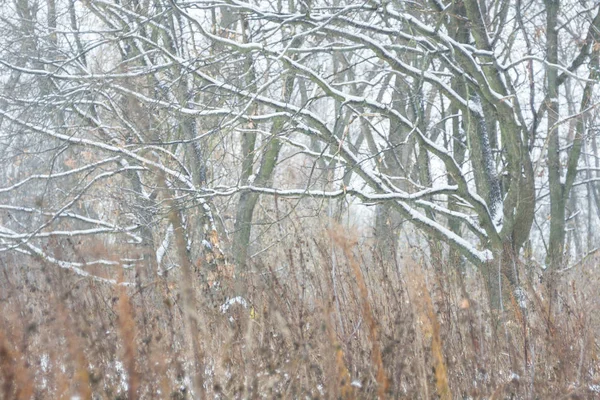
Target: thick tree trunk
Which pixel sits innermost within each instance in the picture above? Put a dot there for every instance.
(502, 278)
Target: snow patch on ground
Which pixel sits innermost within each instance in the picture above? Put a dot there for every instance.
(232, 301)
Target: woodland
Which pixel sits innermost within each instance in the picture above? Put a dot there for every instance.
(299, 199)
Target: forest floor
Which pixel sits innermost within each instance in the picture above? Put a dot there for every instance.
(317, 318)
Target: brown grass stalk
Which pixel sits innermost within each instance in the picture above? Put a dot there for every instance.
(127, 331)
(421, 300)
(347, 245)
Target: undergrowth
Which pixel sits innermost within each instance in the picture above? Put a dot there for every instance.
(318, 317)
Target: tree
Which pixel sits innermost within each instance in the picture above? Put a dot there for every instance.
(432, 111)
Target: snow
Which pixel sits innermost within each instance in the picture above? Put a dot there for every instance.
(429, 225)
(162, 248)
(562, 179)
(475, 105)
(321, 390)
(72, 266)
(123, 374)
(235, 300)
(521, 297)
(100, 146)
(487, 255)
(62, 174)
(498, 215)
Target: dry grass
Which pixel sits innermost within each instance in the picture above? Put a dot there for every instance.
(326, 317)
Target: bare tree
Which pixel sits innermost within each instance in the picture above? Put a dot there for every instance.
(438, 113)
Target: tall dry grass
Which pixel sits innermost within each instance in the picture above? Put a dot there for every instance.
(324, 316)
